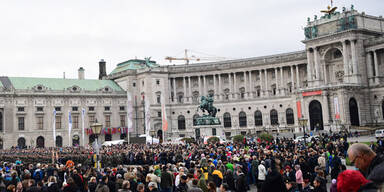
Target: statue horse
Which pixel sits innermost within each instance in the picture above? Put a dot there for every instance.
(206, 105)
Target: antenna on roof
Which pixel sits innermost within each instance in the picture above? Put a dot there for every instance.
(63, 75)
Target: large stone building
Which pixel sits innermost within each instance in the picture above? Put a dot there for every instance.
(335, 82)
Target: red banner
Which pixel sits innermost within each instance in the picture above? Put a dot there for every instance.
(312, 93)
(298, 106)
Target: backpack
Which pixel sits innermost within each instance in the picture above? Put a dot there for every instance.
(37, 175)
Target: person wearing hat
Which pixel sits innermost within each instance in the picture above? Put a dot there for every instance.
(152, 186)
(289, 174)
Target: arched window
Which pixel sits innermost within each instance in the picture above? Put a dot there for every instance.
(180, 97)
(226, 94)
(59, 141)
(289, 116)
(242, 92)
(227, 120)
(258, 118)
(21, 143)
(273, 87)
(195, 118)
(181, 122)
(75, 140)
(274, 118)
(40, 142)
(195, 97)
(108, 137)
(242, 119)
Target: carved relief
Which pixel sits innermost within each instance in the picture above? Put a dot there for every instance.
(39, 102)
(58, 102)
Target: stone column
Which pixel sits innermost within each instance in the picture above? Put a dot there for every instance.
(317, 65)
(297, 77)
(199, 82)
(368, 60)
(276, 82)
(220, 90)
(261, 82)
(230, 84)
(170, 89)
(376, 63)
(266, 82)
(282, 81)
(245, 82)
(325, 74)
(189, 88)
(354, 58)
(250, 84)
(214, 86)
(309, 67)
(345, 60)
(205, 85)
(292, 78)
(185, 90)
(174, 90)
(235, 91)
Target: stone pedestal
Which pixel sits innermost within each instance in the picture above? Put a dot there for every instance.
(202, 131)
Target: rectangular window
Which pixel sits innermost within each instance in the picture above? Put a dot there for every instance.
(75, 121)
(57, 108)
(107, 108)
(159, 114)
(58, 122)
(158, 99)
(107, 121)
(157, 82)
(21, 123)
(122, 120)
(75, 108)
(122, 108)
(40, 109)
(20, 109)
(91, 108)
(40, 123)
(134, 84)
(91, 119)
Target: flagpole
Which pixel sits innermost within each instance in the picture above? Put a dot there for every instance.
(82, 125)
(69, 127)
(128, 111)
(54, 128)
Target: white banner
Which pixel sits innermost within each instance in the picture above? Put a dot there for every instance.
(82, 125)
(337, 108)
(69, 128)
(129, 112)
(54, 128)
(147, 117)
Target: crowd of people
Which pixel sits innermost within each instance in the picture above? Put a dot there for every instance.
(278, 165)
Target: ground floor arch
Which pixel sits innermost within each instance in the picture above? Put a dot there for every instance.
(354, 112)
(40, 142)
(75, 140)
(315, 115)
(21, 142)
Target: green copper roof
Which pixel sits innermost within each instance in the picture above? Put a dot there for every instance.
(134, 64)
(61, 84)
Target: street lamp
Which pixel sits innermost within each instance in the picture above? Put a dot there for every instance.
(303, 123)
(152, 135)
(96, 129)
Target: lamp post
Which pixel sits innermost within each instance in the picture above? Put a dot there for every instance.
(96, 128)
(152, 135)
(303, 123)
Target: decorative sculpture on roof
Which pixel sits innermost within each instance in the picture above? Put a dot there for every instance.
(147, 61)
(206, 104)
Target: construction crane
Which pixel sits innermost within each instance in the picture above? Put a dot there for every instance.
(187, 59)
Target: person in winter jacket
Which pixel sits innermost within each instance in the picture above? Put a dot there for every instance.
(262, 174)
(103, 185)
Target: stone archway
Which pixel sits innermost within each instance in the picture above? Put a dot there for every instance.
(40, 143)
(333, 65)
(316, 115)
(21, 143)
(354, 112)
(160, 135)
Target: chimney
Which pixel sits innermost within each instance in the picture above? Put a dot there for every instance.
(102, 70)
(81, 73)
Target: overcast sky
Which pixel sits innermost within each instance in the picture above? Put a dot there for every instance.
(46, 38)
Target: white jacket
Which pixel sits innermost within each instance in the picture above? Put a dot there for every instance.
(262, 172)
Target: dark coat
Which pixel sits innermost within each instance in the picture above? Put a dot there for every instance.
(241, 184)
(274, 182)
